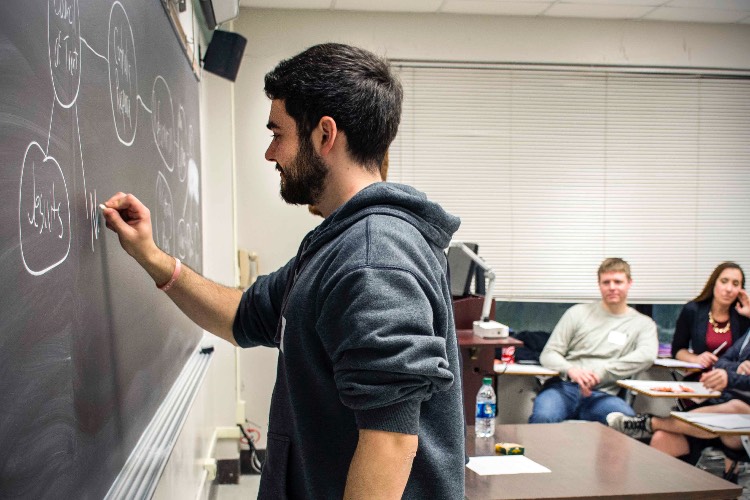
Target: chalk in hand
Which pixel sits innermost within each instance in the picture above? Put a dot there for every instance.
(101, 206)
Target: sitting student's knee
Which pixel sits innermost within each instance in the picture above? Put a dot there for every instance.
(670, 443)
(540, 416)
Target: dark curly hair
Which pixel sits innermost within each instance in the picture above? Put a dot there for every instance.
(353, 86)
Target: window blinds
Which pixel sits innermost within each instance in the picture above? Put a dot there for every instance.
(551, 170)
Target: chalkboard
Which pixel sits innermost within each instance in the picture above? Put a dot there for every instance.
(96, 96)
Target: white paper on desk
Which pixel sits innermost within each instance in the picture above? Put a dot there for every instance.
(721, 420)
(518, 369)
(676, 363)
(505, 464)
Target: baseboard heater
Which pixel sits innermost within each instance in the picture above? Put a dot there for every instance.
(140, 474)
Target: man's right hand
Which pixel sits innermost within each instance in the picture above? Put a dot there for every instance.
(716, 379)
(210, 305)
(586, 379)
(131, 220)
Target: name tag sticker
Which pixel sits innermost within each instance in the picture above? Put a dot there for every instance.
(617, 338)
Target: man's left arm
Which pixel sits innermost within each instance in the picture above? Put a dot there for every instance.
(634, 361)
(381, 465)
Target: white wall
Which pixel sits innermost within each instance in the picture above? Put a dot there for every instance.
(272, 229)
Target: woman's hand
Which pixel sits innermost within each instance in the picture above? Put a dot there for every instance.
(743, 303)
(706, 359)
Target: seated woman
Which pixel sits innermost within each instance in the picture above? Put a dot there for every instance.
(711, 318)
(674, 437)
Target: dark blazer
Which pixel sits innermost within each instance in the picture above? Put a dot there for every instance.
(737, 385)
(692, 323)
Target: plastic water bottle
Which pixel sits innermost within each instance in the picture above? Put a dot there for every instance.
(486, 409)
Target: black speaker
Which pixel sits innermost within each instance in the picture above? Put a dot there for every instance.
(224, 54)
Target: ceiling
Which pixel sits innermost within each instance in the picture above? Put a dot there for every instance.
(702, 11)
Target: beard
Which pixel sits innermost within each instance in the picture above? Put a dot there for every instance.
(303, 180)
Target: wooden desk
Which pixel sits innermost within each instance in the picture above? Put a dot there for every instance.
(646, 387)
(524, 370)
(478, 357)
(590, 460)
(703, 421)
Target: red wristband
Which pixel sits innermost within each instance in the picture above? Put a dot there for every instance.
(175, 275)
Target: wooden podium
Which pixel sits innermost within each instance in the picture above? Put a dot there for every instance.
(477, 353)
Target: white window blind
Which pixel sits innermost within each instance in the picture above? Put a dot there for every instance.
(553, 170)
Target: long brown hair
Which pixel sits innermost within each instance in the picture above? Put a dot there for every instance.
(708, 290)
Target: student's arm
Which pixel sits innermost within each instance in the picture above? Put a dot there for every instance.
(681, 338)
(381, 465)
(556, 348)
(210, 305)
(730, 360)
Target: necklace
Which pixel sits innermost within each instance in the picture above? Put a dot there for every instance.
(713, 322)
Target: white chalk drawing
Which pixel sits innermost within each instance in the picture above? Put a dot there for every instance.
(93, 51)
(43, 203)
(181, 145)
(163, 215)
(43, 212)
(64, 46)
(188, 229)
(162, 121)
(144, 105)
(123, 74)
(89, 198)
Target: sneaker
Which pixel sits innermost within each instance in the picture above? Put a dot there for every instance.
(638, 427)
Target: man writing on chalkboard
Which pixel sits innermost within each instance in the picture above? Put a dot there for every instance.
(367, 402)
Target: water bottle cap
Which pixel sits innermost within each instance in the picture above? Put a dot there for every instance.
(487, 381)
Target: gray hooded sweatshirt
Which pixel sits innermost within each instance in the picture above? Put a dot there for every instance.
(363, 320)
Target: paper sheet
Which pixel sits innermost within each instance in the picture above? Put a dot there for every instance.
(648, 386)
(519, 369)
(505, 464)
(720, 420)
(676, 363)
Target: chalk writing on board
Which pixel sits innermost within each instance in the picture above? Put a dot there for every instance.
(188, 228)
(163, 216)
(162, 121)
(44, 205)
(123, 74)
(64, 44)
(181, 146)
(43, 212)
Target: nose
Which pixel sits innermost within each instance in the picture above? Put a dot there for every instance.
(270, 153)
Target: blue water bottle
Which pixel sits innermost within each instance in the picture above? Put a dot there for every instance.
(486, 409)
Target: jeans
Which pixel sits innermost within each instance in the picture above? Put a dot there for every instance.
(563, 401)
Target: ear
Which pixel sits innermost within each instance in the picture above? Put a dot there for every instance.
(324, 136)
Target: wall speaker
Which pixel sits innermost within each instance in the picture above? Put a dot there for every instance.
(224, 54)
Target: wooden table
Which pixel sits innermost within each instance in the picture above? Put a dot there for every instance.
(590, 460)
(524, 370)
(478, 356)
(646, 387)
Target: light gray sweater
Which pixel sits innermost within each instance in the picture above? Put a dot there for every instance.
(613, 346)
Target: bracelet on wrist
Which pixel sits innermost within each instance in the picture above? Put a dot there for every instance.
(176, 274)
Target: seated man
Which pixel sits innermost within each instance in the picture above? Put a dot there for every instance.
(593, 346)
(675, 437)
